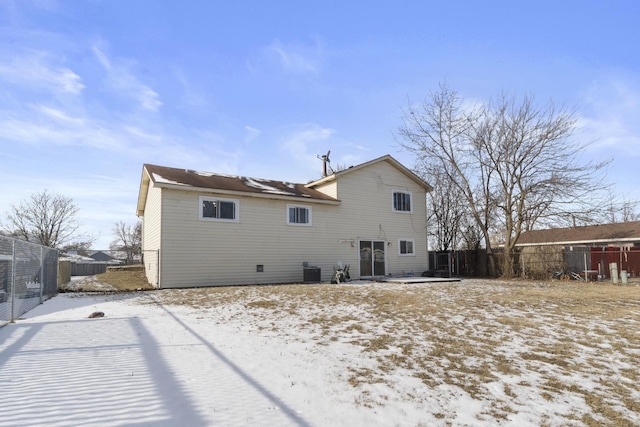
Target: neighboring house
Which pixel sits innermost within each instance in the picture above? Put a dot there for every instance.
(108, 258)
(621, 234)
(207, 229)
(588, 250)
(83, 265)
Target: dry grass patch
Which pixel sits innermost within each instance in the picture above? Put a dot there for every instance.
(262, 304)
(129, 278)
(126, 279)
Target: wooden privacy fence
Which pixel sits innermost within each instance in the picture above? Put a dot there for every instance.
(464, 263)
(541, 262)
(88, 269)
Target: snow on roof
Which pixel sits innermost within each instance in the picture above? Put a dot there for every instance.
(210, 174)
(251, 182)
(230, 183)
(75, 257)
(158, 178)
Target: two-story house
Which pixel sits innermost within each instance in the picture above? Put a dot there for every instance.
(207, 229)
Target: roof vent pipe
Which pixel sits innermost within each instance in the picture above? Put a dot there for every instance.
(325, 163)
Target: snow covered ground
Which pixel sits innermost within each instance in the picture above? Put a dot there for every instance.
(360, 354)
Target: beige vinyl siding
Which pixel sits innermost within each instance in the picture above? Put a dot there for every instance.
(366, 213)
(217, 253)
(330, 189)
(206, 253)
(151, 233)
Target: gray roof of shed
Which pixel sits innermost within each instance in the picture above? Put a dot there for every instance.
(590, 234)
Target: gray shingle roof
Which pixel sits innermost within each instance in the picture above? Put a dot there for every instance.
(604, 233)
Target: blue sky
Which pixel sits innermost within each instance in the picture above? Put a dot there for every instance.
(91, 90)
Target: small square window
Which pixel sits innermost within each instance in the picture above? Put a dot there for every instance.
(298, 215)
(406, 247)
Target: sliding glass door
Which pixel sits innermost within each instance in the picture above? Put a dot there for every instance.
(372, 258)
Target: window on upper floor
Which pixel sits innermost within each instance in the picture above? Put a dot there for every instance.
(215, 209)
(298, 215)
(406, 247)
(402, 201)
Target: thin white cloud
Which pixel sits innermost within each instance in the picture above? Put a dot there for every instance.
(48, 130)
(610, 117)
(124, 81)
(296, 59)
(305, 144)
(40, 70)
(58, 115)
(251, 134)
(102, 58)
(300, 140)
(143, 135)
(148, 98)
(192, 95)
(46, 125)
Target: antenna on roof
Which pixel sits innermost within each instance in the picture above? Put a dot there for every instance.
(326, 163)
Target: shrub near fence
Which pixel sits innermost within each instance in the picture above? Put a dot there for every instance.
(64, 272)
(28, 276)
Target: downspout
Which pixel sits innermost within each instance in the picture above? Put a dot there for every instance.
(426, 229)
(158, 268)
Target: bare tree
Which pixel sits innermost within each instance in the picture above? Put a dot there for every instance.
(446, 213)
(621, 210)
(437, 133)
(80, 247)
(514, 163)
(470, 233)
(629, 211)
(128, 239)
(45, 218)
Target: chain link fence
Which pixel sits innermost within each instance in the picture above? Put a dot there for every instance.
(579, 262)
(591, 263)
(28, 276)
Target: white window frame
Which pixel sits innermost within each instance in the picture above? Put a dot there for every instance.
(413, 247)
(393, 206)
(300, 224)
(236, 208)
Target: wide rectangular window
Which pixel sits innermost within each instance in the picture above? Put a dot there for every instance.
(298, 215)
(406, 247)
(218, 209)
(401, 201)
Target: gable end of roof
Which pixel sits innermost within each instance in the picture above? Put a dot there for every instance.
(386, 158)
